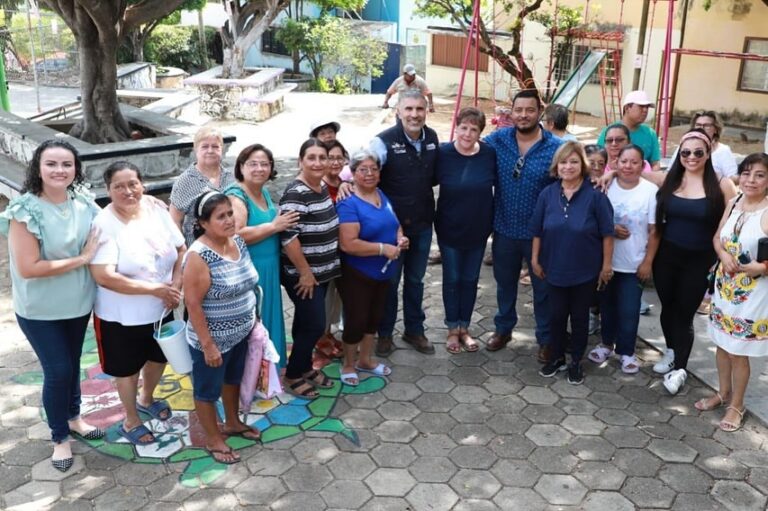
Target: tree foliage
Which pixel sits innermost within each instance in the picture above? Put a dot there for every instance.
(136, 38)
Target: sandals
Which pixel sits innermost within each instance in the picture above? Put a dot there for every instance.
(351, 379)
(379, 370)
(731, 426)
(318, 379)
(467, 342)
(601, 354)
(136, 434)
(629, 364)
(301, 388)
(453, 343)
(248, 432)
(329, 346)
(220, 452)
(702, 405)
(156, 409)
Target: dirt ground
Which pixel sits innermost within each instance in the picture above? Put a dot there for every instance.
(586, 127)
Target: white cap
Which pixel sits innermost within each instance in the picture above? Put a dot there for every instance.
(323, 121)
(637, 97)
(409, 69)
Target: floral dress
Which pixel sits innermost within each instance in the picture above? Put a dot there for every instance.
(738, 322)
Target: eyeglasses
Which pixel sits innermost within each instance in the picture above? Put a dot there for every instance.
(519, 164)
(703, 125)
(253, 164)
(615, 140)
(367, 170)
(698, 153)
(336, 159)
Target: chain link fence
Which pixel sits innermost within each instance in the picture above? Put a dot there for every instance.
(38, 42)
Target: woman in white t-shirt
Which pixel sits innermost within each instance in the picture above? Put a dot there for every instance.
(138, 272)
(634, 213)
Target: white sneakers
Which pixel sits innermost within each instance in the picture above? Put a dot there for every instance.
(666, 363)
(673, 380)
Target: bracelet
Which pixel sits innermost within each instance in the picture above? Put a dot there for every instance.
(381, 249)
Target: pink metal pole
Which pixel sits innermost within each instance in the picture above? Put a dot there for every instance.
(667, 77)
(472, 30)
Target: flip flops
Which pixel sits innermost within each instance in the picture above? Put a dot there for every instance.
(227, 452)
(156, 409)
(248, 432)
(134, 435)
(379, 370)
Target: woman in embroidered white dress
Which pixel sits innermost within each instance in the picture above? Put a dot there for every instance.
(738, 322)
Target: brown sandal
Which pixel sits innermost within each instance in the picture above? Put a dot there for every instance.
(453, 343)
(467, 342)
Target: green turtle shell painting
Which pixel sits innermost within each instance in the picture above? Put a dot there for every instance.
(180, 439)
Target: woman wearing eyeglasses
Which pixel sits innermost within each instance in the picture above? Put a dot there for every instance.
(690, 204)
(259, 224)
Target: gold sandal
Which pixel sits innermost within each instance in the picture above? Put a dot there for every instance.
(731, 426)
(702, 406)
(452, 343)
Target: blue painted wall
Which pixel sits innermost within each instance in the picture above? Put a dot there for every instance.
(382, 10)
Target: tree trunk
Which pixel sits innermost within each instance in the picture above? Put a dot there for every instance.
(102, 121)
(136, 43)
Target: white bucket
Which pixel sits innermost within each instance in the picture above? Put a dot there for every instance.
(172, 338)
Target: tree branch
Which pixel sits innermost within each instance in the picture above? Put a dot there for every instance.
(147, 11)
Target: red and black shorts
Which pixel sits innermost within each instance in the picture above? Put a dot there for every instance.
(123, 350)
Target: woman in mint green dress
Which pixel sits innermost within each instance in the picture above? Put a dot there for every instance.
(258, 223)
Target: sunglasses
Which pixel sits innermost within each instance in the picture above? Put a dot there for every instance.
(615, 140)
(519, 164)
(698, 153)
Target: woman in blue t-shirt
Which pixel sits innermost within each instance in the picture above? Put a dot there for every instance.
(466, 171)
(371, 241)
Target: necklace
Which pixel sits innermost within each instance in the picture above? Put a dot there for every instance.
(63, 208)
(373, 198)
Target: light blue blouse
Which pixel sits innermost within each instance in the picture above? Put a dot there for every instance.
(62, 231)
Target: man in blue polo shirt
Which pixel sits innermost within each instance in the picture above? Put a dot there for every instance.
(523, 157)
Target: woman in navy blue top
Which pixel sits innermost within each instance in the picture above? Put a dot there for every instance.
(371, 241)
(572, 227)
(466, 170)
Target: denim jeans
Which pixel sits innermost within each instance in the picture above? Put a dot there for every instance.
(508, 255)
(620, 312)
(413, 268)
(308, 326)
(58, 345)
(572, 303)
(461, 271)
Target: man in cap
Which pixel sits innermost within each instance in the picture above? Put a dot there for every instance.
(409, 80)
(634, 113)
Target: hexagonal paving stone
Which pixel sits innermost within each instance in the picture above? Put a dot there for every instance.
(464, 376)
(511, 446)
(396, 431)
(649, 413)
(600, 475)
(565, 389)
(516, 473)
(393, 455)
(636, 462)
(583, 425)
(573, 406)
(608, 400)
(607, 500)
(695, 502)
(520, 498)
(470, 394)
(434, 422)
(722, 467)
(756, 459)
(692, 425)
(436, 384)
(270, 462)
(505, 404)
(298, 500)
(394, 482)
(121, 498)
(502, 385)
(401, 391)
(398, 410)
(553, 460)
(648, 492)
(472, 434)
(475, 484)
(470, 413)
(736, 495)
(672, 451)
(685, 478)
(432, 496)
(548, 435)
(435, 403)
(315, 450)
(44, 471)
(706, 447)
(350, 465)
(430, 469)
(560, 489)
(136, 474)
(615, 417)
(475, 505)
(470, 456)
(358, 418)
(591, 448)
(345, 494)
(306, 477)
(538, 395)
(622, 436)
(433, 445)
(33, 495)
(543, 414)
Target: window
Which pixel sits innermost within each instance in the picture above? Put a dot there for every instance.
(448, 50)
(572, 57)
(270, 44)
(753, 75)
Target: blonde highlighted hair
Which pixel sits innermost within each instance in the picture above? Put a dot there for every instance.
(564, 151)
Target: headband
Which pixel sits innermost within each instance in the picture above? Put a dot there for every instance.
(205, 199)
(696, 134)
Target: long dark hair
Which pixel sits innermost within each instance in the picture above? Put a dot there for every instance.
(712, 190)
(33, 183)
(206, 211)
(116, 167)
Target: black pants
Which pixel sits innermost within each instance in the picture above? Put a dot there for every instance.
(680, 277)
(570, 302)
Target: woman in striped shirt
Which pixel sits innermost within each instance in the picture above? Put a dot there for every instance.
(309, 261)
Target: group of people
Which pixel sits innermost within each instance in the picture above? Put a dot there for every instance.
(592, 224)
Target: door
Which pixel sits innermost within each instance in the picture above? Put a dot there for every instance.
(392, 69)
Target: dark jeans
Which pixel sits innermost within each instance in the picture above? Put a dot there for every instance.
(308, 327)
(461, 271)
(571, 302)
(508, 255)
(680, 277)
(412, 269)
(620, 312)
(58, 345)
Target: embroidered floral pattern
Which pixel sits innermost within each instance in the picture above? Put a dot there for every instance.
(742, 328)
(734, 287)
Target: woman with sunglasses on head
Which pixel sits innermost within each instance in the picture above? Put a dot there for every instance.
(690, 204)
(259, 223)
(738, 324)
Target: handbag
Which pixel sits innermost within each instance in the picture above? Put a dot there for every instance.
(762, 250)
